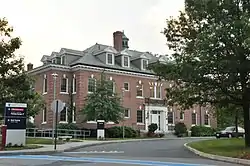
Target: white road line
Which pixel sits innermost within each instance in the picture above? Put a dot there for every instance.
(94, 152)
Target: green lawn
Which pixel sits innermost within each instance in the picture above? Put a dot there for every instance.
(233, 147)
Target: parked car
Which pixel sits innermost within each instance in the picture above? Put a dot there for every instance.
(230, 132)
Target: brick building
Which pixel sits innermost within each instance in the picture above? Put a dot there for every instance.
(143, 96)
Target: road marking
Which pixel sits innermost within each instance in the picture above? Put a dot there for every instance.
(95, 152)
(99, 160)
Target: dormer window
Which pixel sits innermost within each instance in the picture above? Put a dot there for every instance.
(110, 59)
(63, 60)
(144, 64)
(126, 62)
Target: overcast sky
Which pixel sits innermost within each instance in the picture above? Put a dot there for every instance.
(47, 25)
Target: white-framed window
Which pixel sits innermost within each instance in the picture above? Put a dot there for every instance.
(74, 113)
(155, 90)
(63, 60)
(45, 84)
(139, 116)
(126, 86)
(44, 115)
(54, 61)
(144, 64)
(64, 84)
(74, 84)
(206, 119)
(64, 115)
(111, 84)
(91, 84)
(170, 117)
(139, 89)
(194, 118)
(110, 59)
(126, 113)
(182, 115)
(126, 61)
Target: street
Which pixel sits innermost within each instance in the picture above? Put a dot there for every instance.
(159, 152)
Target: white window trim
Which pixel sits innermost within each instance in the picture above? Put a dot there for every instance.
(123, 64)
(73, 84)
(171, 110)
(196, 119)
(183, 114)
(128, 86)
(140, 83)
(67, 85)
(53, 61)
(142, 63)
(127, 117)
(73, 113)
(62, 60)
(143, 120)
(63, 122)
(88, 83)
(155, 91)
(43, 121)
(209, 123)
(44, 78)
(113, 59)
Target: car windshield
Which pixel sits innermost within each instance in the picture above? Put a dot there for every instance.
(229, 129)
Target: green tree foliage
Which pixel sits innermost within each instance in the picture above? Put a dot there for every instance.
(103, 104)
(15, 84)
(210, 41)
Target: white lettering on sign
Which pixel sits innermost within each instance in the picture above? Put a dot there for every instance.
(21, 105)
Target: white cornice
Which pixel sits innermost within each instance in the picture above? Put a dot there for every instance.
(48, 67)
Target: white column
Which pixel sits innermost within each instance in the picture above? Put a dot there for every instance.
(147, 117)
(166, 114)
(163, 120)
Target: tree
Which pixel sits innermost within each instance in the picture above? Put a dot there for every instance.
(103, 103)
(15, 84)
(210, 41)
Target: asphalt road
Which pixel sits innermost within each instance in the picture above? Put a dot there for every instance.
(157, 153)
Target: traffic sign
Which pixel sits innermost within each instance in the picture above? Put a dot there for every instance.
(60, 107)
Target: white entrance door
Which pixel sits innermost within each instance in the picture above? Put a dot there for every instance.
(156, 118)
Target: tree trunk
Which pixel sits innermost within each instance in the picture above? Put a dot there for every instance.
(246, 124)
(236, 123)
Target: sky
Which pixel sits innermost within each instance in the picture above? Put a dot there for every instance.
(48, 25)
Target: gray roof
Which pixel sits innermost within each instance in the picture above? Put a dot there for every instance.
(88, 57)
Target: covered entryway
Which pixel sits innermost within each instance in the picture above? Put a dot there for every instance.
(156, 119)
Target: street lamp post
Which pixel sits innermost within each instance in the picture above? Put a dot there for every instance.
(54, 75)
(123, 128)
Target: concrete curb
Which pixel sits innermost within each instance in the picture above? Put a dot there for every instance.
(216, 157)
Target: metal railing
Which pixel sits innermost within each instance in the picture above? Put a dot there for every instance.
(76, 134)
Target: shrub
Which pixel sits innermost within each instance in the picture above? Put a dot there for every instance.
(161, 134)
(180, 129)
(69, 126)
(117, 132)
(152, 127)
(200, 131)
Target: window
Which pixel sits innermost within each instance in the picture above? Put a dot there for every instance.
(74, 113)
(64, 84)
(126, 113)
(125, 61)
(139, 116)
(112, 86)
(144, 64)
(63, 60)
(126, 86)
(91, 85)
(63, 115)
(139, 89)
(194, 119)
(170, 117)
(155, 90)
(74, 84)
(206, 119)
(44, 116)
(110, 59)
(182, 115)
(53, 60)
(45, 84)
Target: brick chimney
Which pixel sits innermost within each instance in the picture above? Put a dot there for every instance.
(29, 66)
(117, 37)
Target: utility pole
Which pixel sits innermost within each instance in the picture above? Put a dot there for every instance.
(54, 75)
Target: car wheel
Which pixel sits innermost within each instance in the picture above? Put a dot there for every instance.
(229, 135)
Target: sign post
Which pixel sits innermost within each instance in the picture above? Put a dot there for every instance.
(56, 106)
(100, 129)
(15, 120)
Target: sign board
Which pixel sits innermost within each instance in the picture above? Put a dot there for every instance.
(15, 115)
(60, 107)
(100, 124)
